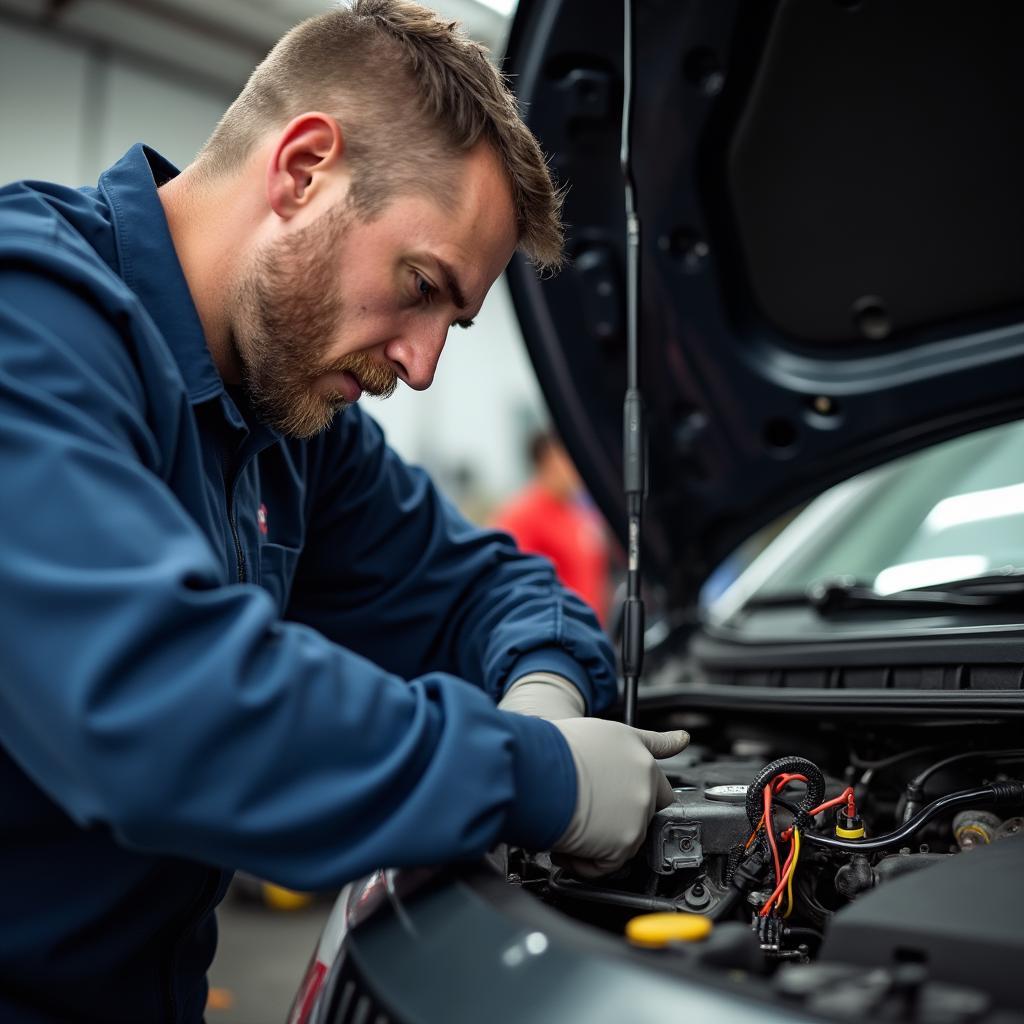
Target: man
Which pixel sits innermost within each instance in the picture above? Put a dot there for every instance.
(238, 631)
(549, 517)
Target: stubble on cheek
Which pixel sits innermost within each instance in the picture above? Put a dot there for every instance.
(290, 313)
(287, 312)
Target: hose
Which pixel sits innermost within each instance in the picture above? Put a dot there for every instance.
(997, 793)
(572, 889)
(915, 787)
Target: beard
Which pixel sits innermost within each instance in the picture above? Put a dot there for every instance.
(287, 310)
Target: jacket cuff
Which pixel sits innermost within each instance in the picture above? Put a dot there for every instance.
(560, 663)
(545, 784)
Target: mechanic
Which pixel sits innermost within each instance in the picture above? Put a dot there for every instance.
(239, 632)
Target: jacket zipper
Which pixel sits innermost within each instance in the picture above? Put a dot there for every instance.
(230, 477)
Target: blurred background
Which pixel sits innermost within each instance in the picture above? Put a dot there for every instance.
(83, 80)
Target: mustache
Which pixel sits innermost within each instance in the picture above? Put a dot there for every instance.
(375, 377)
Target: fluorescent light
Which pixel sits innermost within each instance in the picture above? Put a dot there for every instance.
(928, 572)
(976, 507)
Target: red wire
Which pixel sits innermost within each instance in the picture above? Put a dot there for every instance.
(846, 797)
(778, 784)
(781, 887)
(769, 827)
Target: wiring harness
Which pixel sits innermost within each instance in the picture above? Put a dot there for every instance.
(762, 792)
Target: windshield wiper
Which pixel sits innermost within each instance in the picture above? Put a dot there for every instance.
(1000, 589)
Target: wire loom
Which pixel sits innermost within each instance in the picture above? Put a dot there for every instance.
(774, 777)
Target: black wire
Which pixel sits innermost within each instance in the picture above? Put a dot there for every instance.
(884, 762)
(871, 768)
(1011, 755)
(573, 889)
(999, 792)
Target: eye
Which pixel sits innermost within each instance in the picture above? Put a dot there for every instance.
(425, 291)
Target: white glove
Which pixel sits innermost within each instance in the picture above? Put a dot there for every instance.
(544, 695)
(619, 787)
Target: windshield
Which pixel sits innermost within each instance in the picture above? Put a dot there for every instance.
(950, 512)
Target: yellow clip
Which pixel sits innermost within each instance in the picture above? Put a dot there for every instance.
(850, 833)
(655, 931)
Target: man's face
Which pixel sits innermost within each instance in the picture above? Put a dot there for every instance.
(341, 305)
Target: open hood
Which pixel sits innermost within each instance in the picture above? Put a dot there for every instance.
(831, 196)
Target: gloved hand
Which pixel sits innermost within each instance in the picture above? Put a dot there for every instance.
(619, 787)
(544, 695)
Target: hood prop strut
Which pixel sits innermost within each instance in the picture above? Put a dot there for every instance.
(634, 441)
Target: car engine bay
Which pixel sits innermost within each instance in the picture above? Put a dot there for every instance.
(855, 869)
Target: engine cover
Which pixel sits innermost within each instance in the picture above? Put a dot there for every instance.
(962, 920)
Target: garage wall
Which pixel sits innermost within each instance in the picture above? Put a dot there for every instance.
(70, 108)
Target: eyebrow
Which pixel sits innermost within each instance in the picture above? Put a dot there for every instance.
(452, 284)
(455, 290)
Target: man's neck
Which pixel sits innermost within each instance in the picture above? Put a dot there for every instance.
(205, 228)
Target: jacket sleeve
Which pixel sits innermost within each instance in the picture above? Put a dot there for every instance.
(391, 569)
(146, 694)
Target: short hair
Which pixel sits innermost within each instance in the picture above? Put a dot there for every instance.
(411, 91)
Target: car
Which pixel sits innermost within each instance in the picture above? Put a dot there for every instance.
(831, 314)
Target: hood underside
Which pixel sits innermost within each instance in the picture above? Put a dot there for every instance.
(832, 245)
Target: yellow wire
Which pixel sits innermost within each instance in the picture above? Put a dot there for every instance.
(792, 872)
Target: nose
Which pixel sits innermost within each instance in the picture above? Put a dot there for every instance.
(414, 357)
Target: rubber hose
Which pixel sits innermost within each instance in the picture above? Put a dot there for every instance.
(1009, 792)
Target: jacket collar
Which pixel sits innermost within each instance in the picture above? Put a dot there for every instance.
(149, 265)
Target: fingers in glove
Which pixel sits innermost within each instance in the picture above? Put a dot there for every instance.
(588, 868)
(664, 744)
(666, 795)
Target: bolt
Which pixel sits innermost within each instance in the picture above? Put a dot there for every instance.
(685, 844)
(697, 890)
(823, 405)
(871, 318)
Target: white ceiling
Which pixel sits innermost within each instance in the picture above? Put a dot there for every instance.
(216, 43)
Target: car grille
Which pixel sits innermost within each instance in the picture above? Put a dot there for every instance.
(352, 1001)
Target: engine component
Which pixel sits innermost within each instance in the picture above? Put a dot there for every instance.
(959, 921)
(1010, 827)
(708, 817)
(656, 931)
(848, 826)
(856, 994)
(789, 765)
(855, 877)
(1010, 792)
(858, 875)
(914, 793)
(684, 833)
(973, 827)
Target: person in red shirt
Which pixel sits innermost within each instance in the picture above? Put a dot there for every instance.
(551, 517)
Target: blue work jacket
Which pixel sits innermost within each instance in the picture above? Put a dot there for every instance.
(224, 649)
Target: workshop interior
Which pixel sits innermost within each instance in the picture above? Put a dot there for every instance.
(785, 356)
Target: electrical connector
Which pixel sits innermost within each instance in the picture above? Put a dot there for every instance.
(849, 826)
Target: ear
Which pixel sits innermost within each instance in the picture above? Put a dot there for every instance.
(307, 150)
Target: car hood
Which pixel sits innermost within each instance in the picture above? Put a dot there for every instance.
(832, 242)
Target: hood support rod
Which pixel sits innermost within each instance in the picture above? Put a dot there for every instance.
(634, 440)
